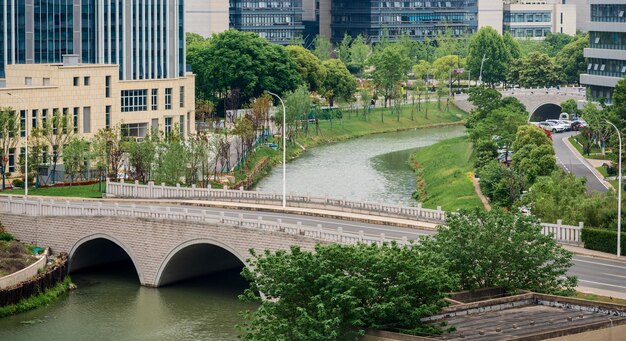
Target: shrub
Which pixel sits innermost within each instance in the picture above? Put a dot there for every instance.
(604, 240)
(6, 236)
(18, 183)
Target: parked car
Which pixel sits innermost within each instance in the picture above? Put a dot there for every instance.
(577, 125)
(564, 126)
(551, 127)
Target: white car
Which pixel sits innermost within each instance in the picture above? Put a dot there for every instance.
(564, 126)
(552, 127)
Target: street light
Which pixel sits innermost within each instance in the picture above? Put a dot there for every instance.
(480, 78)
(619, 191)
(284, 148)
(26, 148)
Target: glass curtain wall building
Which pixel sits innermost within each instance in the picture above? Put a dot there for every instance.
(279, 21)
(418, 19)
(146, 38)
(606, 55)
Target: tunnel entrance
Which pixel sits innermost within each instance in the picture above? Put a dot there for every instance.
(101, 254)
(544, 112)
(198, 260)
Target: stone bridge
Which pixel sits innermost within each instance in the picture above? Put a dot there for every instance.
(541, 104)
(165, 245)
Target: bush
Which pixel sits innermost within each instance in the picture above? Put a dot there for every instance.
(5, 236)
(18, 183)
(604, 240)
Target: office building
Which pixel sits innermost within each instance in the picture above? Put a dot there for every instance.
(146, 39)
(534, 19)
(606, 55)
(206, 17)
(583, 13)
(278, 21)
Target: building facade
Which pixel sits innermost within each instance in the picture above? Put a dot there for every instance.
(606, 54)
(534, 19)
(92, 97)
(418, 19)
(206, 17)
(279, 21)
(145, 38)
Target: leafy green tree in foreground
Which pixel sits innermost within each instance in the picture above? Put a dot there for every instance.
(339, 83)
(75, 156)
(338, 291)
(500, 249)
(487, 43)
(9, 129)
(311, 70)
(391, 66)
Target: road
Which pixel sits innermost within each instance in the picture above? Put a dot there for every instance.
(603, 276)
(573, 163)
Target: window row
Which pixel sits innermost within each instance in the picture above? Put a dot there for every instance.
(608, 13)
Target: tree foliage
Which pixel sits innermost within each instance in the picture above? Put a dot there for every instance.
(338, 291)
(311, 70)
(9, 134)
(391, 66)
(322, 47)
(533, 154)
(538, 70)
(572, 61)
(339, 83)
(500, 249)
(487, 43)
(75, 156)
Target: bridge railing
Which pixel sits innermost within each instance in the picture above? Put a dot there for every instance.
(152, 191)
(561, 233)
(40, 207)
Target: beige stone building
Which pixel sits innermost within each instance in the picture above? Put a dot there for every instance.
(93, 98)
(534, 19)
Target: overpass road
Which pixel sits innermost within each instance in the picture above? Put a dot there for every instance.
(598, 275)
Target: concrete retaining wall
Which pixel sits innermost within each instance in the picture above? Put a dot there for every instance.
(24, 274)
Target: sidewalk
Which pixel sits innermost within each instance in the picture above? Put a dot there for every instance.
(581, 251)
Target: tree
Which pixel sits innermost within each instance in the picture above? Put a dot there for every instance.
(512, 46)
(260, 112)
(391, 65)
(108, 150)
(170, 166)
(141, 157)
(500, 249)
(422, 70)
(245, 64)
(38, 151)
(199, 149)
(484, 100)
(501, 124)
(557, 196)
(311, 70)
(572, 61)
(533, 154)
(338, 291)
(322, 47)
(570, 106)
(204, 109)
(9, 134)
(555, 42)
(57, 131)
(538, 70)
(501, 184)
(75, 156)
(339, 83)
(487, 43)
(198, 59)
(297, 105)
(443, 68)
(343, 49)
(359, 53)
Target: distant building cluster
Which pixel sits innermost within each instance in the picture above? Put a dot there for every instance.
(284, 21)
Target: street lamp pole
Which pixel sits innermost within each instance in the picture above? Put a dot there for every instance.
(26, 146)
(619, 192)
(480, 78)
(284, 148)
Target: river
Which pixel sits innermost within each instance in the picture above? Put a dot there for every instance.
(109, 303)
(370, 168)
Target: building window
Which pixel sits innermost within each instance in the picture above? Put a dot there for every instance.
(134, 100)
(75, 120)
(76, 81)
(168, 125)
(138, 130)
(107, 117)
(46, 81)
(28, 80)
(107, 86)
(182, 96)
(44, 118)
(34, 119)
(182, 125)
(155, 99)
(86, 120)
(55, 120)
(11, 160)
(65, 120)
(168, 98)
(86, 80)
(23, 123)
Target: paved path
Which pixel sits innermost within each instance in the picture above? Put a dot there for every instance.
(569, 158)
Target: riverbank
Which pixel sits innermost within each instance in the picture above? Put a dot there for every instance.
(354, 125)
(443, 172)
(39, 300)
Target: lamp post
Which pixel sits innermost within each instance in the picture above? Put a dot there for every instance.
(26, 145)
(619, 192)
(480, 78)
(284, 148)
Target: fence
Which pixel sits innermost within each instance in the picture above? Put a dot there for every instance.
(562, 233)
(151, 191)
(40, 207)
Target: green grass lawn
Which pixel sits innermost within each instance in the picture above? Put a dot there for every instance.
(447, 169)
(86, 191)
(595, 153)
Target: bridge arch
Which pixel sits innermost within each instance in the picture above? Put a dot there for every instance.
(545, 111)
(197, 257)
(87, 252)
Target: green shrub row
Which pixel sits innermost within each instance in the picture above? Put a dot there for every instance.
(6, 236)
(604, 240)
(39, 300)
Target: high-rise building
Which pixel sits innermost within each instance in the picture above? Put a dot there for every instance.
(606, 55)
(534, 19)
(418, 19)
(145, 38)
(206, 17)
(582, 13)
(278, 21)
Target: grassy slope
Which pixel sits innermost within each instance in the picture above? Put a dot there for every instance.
(37, 301)
(596, 152)
(446, 173)
(87, 191)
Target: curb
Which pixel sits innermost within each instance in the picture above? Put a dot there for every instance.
(610, 257)
(586, 163)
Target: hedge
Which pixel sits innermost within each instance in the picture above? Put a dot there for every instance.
(604, 240)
